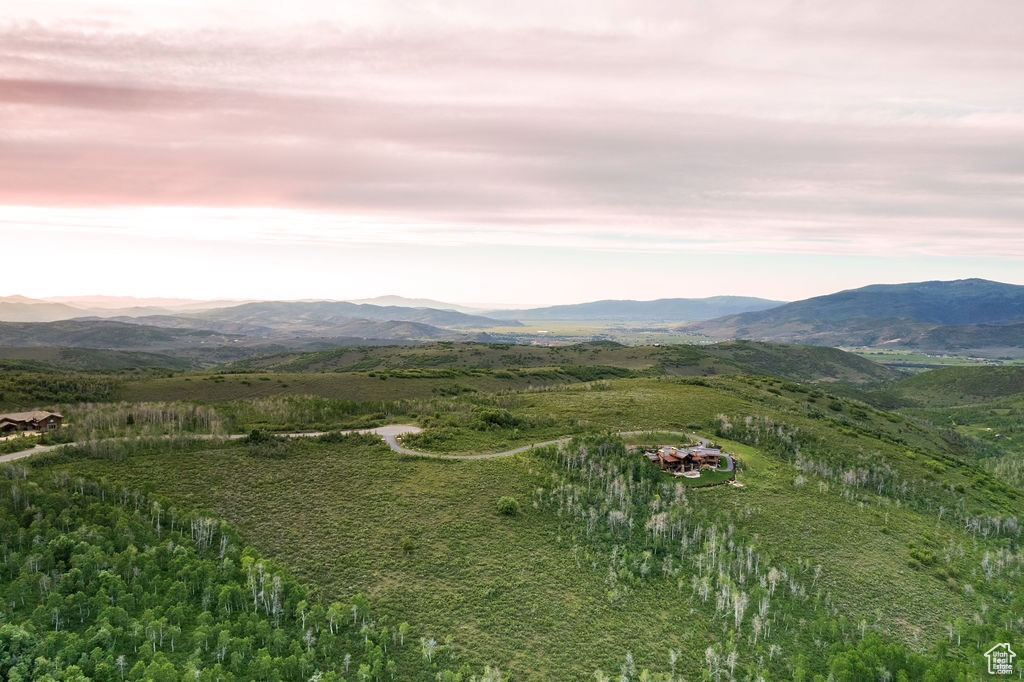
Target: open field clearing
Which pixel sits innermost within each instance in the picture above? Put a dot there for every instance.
(855, 527)
(527, 593)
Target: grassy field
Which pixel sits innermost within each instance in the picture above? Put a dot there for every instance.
(424, 539)
(961, 385)
(379, 385)
(899, 521)
(804, 363)
(391, 373)
(383, 385)
(919, 361)
(986, 404)
(79, 359)
(528, 593)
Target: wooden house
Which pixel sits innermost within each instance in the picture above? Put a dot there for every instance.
(37, 420)
(682, 460)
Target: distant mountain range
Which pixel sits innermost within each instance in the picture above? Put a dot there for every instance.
(24, 309)
(21, 309)
(403, 302)
(935, 316)
(261, 320)
(324, 316)
(661, 310)
(243, 330)
(137, 303)
(170, 346)
(970, 316)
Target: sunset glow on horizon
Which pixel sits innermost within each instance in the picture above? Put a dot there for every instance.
(479, 152)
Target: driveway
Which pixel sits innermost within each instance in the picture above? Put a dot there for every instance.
(392, 435)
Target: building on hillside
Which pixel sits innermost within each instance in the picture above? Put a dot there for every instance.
(37, 420)
(682, 460)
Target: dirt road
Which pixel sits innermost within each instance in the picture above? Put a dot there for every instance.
(392, 435)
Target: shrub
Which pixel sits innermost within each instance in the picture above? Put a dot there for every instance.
(257, 436)
(497, 417)
(508, 505)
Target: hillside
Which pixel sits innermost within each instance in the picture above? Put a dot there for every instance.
(100, 334)
(858, 535)
(187, 342)
(223, 334)
(985, 404)
(323, 316)
(801, 363)
(961, 315)
(797, 363)
(141, 596)
(292, 322)
(48, 358)
(1005, 338)
(661, 310)
(960, 385)
(958, 302)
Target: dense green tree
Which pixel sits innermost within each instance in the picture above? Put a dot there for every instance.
(112, 584)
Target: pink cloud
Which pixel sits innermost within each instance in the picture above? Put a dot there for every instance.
(701, 125)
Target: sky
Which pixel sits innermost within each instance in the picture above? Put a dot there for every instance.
(516, 153)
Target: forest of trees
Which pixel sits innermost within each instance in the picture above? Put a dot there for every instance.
(626, 517)
(113, 584)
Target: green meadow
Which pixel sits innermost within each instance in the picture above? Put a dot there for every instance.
(862, 537)
(424, 540)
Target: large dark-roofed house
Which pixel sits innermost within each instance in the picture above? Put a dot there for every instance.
(37, 420)
(691, 458)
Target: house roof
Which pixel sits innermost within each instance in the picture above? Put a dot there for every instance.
(34, 415)
(700, 450)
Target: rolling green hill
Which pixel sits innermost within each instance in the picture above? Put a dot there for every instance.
(43, 358)
(105, 583)
(98, 334)
(365, 373)
(800, 363)
(863, 541)
(859, 534)
(958, 385)
(985, 404)
(958, 315)
(1005, 339)
(188, 345)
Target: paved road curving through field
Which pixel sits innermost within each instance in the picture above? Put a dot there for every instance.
(392, 435)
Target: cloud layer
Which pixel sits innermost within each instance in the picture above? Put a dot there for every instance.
(826, 127)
